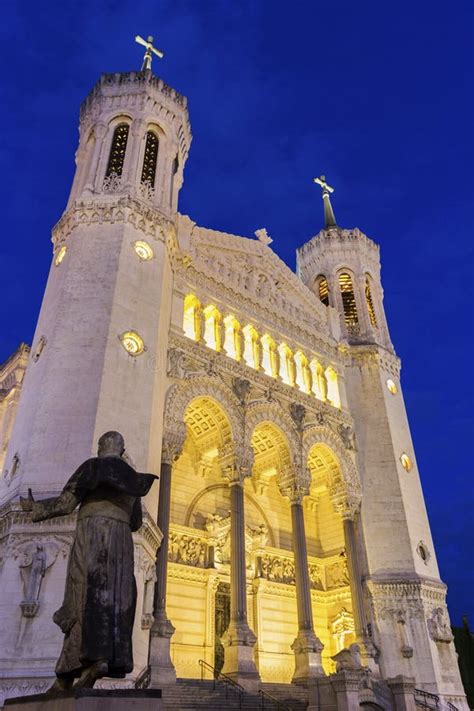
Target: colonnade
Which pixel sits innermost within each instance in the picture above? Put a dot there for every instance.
(239, 639)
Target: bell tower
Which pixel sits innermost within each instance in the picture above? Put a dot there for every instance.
(404, 593)
(98, 358)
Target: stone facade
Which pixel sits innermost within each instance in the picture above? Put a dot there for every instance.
(270, 404)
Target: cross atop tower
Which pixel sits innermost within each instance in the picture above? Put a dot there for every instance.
(329, 217)
(150, 51)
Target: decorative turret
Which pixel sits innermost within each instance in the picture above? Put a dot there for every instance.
(342, 267)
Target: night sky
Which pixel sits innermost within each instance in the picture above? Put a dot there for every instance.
(376, 95)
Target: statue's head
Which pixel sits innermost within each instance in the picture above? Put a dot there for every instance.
(111, 444)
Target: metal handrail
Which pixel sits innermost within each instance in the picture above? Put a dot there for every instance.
(265, 695)
(426, 697)
(226, 680)
(143, 680)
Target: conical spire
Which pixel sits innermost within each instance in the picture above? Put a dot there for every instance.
(329, 217)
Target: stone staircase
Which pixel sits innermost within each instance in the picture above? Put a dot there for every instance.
(196, 695)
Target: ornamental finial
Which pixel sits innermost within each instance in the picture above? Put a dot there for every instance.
(150, 50)
(329, 217)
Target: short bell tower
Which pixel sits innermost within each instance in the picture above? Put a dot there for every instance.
(342, 267)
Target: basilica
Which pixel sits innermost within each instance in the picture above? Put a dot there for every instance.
(288, 541)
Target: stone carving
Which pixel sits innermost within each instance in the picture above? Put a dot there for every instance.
(146, 191)
(347, 435)
(187, 550)
(348, 659)
(112, 183)
(263, 236)
(32, 573)
(337, 573)
(438, 626)
(315, 577)
(241, 388)
(101, 566)
(277, 569)
(297, 413)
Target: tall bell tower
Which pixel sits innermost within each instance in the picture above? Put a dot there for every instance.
(405, 598)
(98, 358)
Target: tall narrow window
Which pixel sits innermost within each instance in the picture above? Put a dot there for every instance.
(251, 347)
(173, 173)
(287, 364)
(232, 338)
(370, 303)
(348, 300)
(333, 388)
(117, 150)
(212, 327)
(192, 317)
(323, 290)
(149, 159)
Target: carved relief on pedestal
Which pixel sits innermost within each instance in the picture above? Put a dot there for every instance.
(34, 558)
(438, 625)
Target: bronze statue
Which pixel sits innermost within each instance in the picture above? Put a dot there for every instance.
(100, 597)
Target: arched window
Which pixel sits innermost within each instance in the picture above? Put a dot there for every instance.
(333, 388)
(348, 300)
(212, 328)
(269, 356)
(287, 364)
(251, 347)
(117, 150)
(323, 290)
(192, 317)
(302, 377)
(320, 386)
(232, 338)
(370, 304)
(149, 159)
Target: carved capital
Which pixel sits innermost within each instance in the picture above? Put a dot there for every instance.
(173, 442)
(236, 461)
(294, 485)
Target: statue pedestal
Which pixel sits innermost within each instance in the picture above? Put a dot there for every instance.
(89, 700)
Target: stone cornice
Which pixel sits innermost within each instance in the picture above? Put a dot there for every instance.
(367, 354)
(114, 209)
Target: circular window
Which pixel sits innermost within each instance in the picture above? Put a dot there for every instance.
(60, 255)
(391, 386)
(143, 250)
(406, 462)
(132, 342)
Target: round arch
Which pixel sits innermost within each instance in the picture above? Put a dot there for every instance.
(273, 414)
(180, 396)
(247, 496)
(346, 490)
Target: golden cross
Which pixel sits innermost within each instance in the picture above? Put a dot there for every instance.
(322, 182)
(150, 50)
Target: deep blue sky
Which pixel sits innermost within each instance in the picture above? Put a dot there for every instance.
(376, 95)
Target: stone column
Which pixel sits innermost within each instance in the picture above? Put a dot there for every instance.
(238, 640)
(403, 690)
(307, 647)
(367, 648)
(162, 668)
(132, 172)
(100, 131)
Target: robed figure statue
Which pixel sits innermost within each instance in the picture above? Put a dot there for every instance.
(100, 597)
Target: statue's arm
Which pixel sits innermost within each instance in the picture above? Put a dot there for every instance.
(60, 505)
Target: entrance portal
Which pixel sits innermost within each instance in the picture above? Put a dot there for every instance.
(221, 623)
